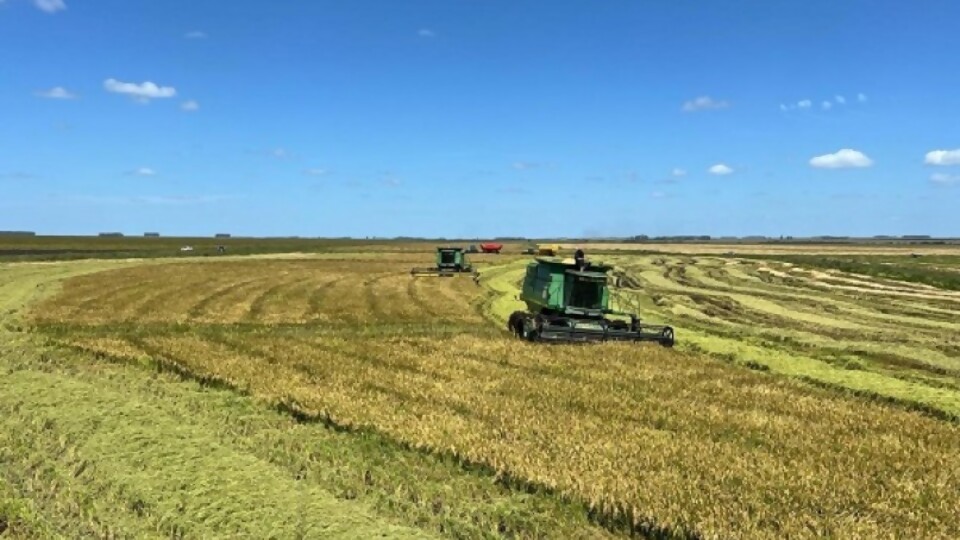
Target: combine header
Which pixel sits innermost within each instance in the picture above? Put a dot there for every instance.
(450, 262)
(568, 301)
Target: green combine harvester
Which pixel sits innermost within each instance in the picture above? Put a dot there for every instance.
(450, 262)
(568, 301)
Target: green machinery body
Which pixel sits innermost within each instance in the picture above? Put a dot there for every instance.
(569, 300)
(450, 262)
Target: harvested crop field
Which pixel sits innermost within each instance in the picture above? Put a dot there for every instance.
(624, 438)
(894, 339)
(773, 248)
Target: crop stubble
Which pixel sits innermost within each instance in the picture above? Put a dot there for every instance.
(663, 441)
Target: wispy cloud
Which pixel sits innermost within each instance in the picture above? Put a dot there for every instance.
(678, 172)
(842, 159)
(50, 6)
(315, 172)
(390, 180)
(196, 34)
(704, 103)
(57, 92)
(142, 92)
(942, 179)
(277, 152)
(720, 169)
(802, 104)
(525, 165)
(426, 33)
(143, 171)
(825, 104)
(190, 106)
(943, 157)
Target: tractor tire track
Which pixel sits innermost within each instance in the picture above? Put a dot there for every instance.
(259, 304)
(413, 291)
(198, 308)
(372, 299)
(319, 295)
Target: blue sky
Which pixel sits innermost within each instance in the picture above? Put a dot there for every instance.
(480, 118)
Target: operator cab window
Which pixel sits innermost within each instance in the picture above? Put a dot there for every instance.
(586, 294)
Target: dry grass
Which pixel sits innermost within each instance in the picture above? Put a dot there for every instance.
(653, 440)
(897, 339)
(772, 249)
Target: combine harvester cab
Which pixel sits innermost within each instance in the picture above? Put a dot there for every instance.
(451, 261)
(568, 301)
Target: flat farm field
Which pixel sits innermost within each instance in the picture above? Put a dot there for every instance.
(800, 402)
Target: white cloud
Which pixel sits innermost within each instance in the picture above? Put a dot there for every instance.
(784, 107)
(190, 106)
(426, 33)
(280, 153)
(843, 159)
(840, 99)
(720, 169)
(827, 105)
(50, 6)
(196, 34)
(945, 179)
(678, 172)
(703, 103)
(142, 92)
(861, 97)
(57, 92)
(804, 104)
(314, 172)
(943, 157)
(144, 171)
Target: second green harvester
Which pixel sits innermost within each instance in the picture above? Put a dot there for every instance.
(450, 262)
(568, 301)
